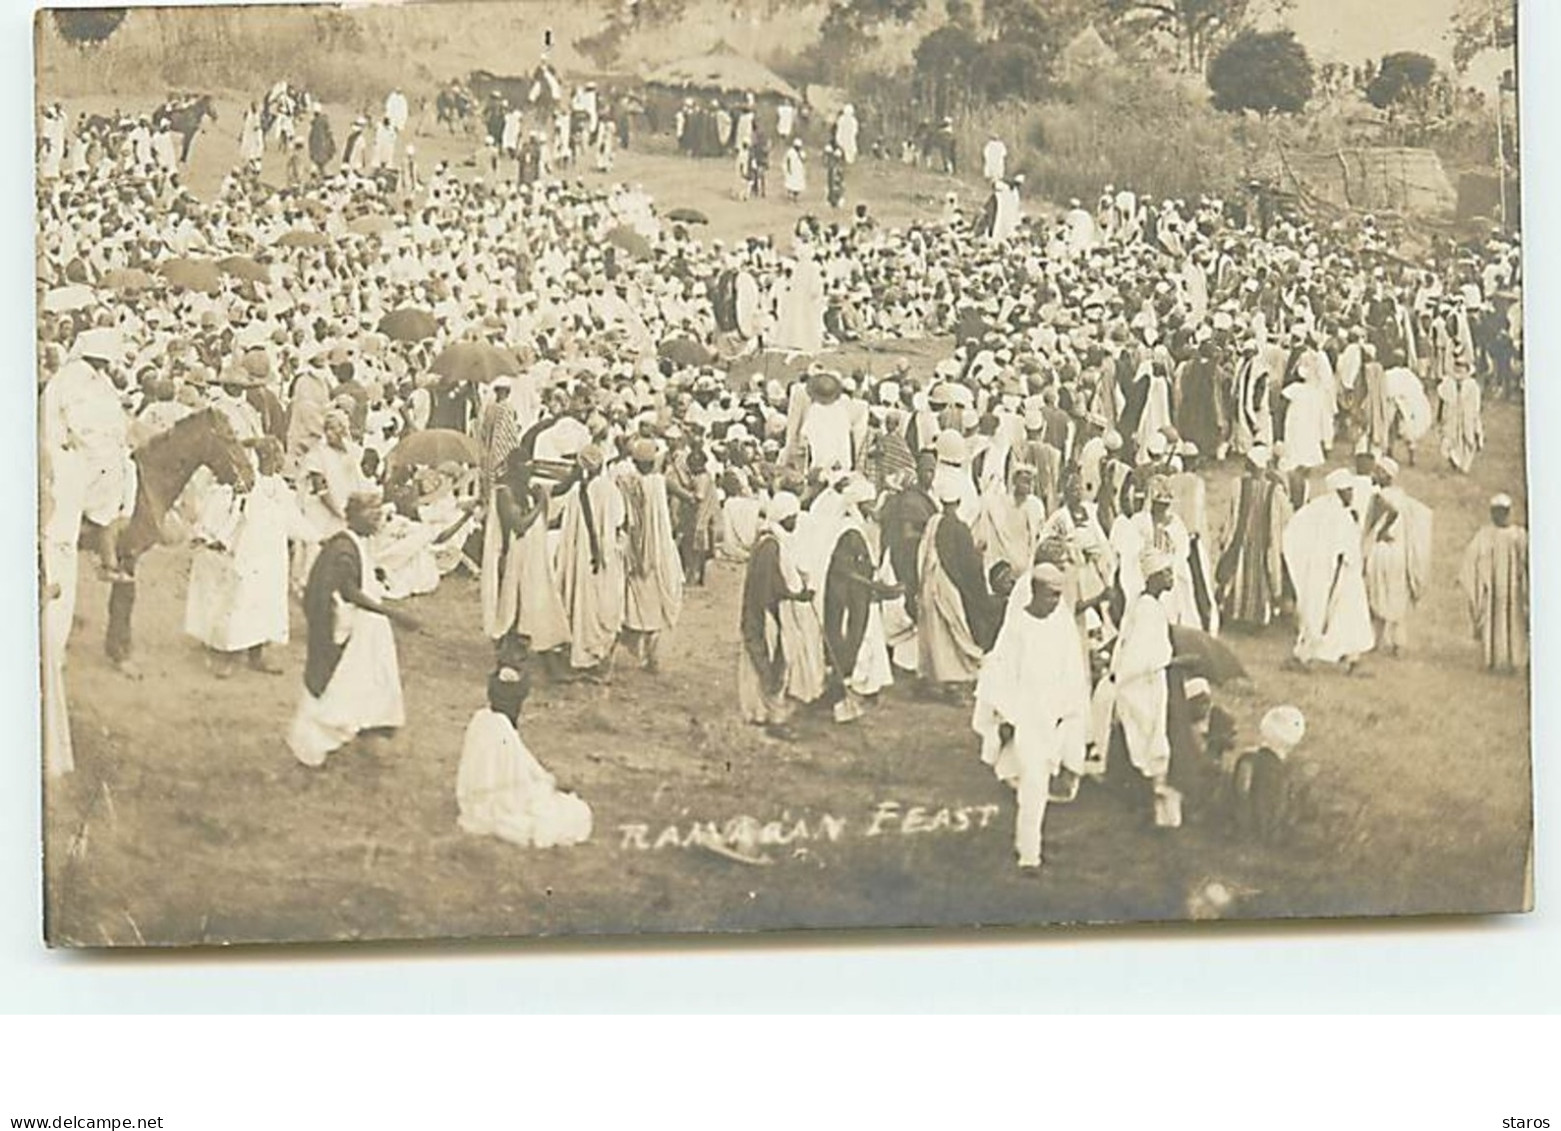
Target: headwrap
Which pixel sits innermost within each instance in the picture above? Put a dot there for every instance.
(783, 506)
(1049, 576)
(1154, 560)
(1282, 729)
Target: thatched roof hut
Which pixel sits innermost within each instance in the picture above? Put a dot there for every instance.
(720, 73)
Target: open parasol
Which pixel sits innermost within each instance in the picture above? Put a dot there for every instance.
(687, 216)
(408, 325)
(192, 275)
(78, 296)
(1207, 656)
(475, 361)
(372, 225)
(433, 447)
(301, 237)
(630, 241)
(684, 352)
(128, 279)
(243, 267)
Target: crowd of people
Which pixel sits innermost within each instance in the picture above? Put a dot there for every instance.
(526, 379)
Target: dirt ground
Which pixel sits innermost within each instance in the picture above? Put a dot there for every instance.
(189, 822)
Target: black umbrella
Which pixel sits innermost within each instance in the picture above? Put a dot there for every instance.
(1207, 656)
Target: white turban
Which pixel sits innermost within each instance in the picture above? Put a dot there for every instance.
(1282, 729)
(783, 506)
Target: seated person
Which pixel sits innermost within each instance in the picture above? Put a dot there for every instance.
(502, 790)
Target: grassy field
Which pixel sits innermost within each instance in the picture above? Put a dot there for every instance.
(189, 822)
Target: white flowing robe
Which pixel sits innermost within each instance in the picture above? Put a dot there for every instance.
(1304, 436)
(1463, 430)
(1323, 552)
(82, 414)
(799, 322)
(238, 595)
(948, 652)
(364, 692)
(593, 596)
(1141, 694)
(655, 595)
(503, 791)
(1034, 679)
(64, 481)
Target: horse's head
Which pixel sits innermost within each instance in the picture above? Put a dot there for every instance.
(223, 452)
(207, 107)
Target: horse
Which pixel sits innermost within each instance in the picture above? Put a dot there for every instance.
(185, 119)
(164, 466)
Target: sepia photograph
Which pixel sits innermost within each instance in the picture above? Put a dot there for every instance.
(646, 467)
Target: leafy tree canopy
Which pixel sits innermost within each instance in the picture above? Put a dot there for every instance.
(83, 27)
(1399, 77)
(1264, 71)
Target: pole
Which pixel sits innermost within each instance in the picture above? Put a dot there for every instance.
(1501, 114)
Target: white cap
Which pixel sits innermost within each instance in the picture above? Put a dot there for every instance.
(1282, 729)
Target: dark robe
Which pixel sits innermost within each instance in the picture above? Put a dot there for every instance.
(904, 519)
(764, 588)
(1135, 394)
(960, 559)
(338, 571)
(848, 598)
(273, 417)
(322, 144)
(1198, 415)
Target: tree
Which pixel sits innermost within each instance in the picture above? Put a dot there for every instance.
(1401, 79)
(1198, 27)
(1481, 25)
(1263, 71)
(850, 29)
(83, 26)
(1024, 39)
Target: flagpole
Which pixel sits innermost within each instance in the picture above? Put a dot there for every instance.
(1501, 114)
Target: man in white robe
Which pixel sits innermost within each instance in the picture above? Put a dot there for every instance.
(591, 565)
(84, 424)
(1032, 705)
(352, 677)
(1463, 429)
(1324, 554)
(1138, 685)
(237, 601)
(994, 159)
(654, 600)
